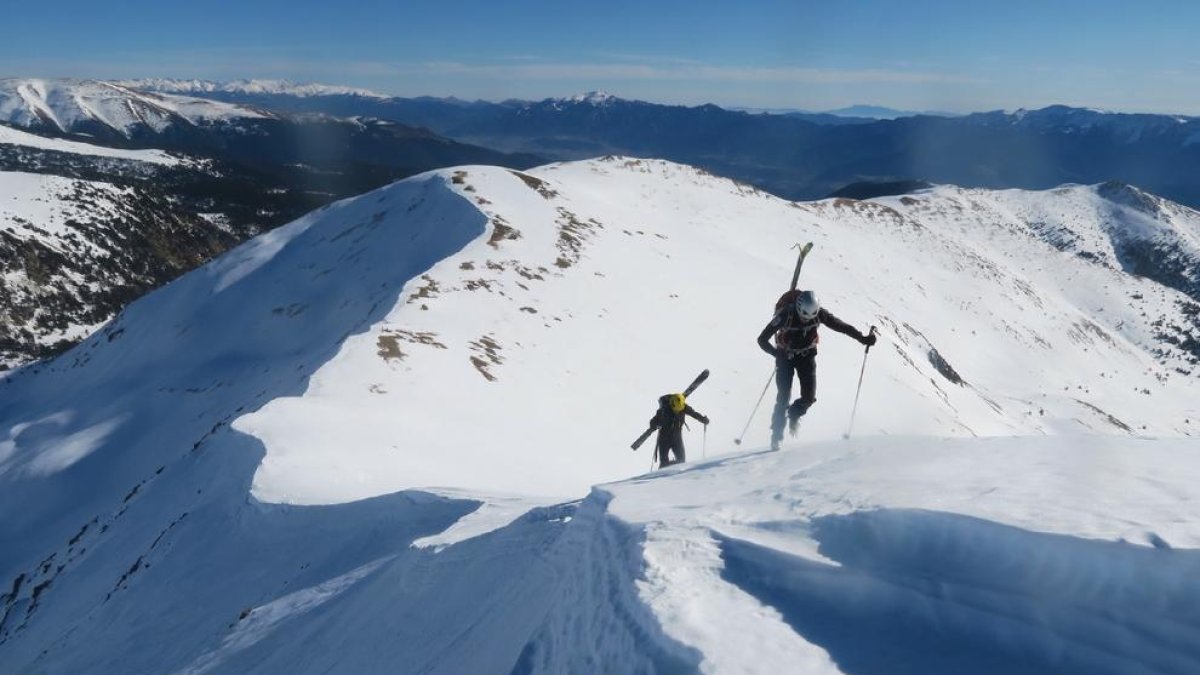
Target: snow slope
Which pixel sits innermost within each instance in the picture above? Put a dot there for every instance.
(17, 137)
(689, 256)
(74, 251)
(357, 444)
(1115, 226)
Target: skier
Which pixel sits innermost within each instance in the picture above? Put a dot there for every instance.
(795, 328)
(669, 422)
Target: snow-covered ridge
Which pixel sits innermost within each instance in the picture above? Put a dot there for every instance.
(87, 105)
(597, 99)
(592, 97)
(1111, 225)
(245, 86)
(558, 235)
(13, 136)
(1130, 127)
(479, 331)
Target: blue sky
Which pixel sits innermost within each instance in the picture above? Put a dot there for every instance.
(917, 55)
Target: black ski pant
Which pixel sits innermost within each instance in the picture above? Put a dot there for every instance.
(805, 368)
(670, 441)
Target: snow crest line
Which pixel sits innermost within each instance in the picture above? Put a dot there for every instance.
(598, 621)
(945, 593)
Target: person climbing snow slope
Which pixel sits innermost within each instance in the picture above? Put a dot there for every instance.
(669, 421)
(798, 315)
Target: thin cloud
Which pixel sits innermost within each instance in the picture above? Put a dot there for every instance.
(251, 62)
(205, 65)
(521, 58)
(647, 59)
(682, 72)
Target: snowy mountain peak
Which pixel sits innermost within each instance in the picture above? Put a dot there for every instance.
(92, 106)
(584, 101)
(247, 86)
(1066, 120)
(593, 97)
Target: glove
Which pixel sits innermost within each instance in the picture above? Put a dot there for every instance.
(869, 339)
(704, 420)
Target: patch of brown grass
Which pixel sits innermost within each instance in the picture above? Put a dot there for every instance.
(541, 186)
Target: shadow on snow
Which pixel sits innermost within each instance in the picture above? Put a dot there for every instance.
(930, 593)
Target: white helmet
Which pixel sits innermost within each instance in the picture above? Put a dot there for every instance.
(807, 305)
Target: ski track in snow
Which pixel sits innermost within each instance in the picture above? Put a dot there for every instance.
(357, 444)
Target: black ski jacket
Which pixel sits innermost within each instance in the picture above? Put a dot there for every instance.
(798, 336)
(671, 421)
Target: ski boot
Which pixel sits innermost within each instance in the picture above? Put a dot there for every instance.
(794, 416)
(795, 411)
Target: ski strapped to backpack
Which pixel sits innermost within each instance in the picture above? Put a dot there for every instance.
(686, 392)
(800, 262)
(789, 296)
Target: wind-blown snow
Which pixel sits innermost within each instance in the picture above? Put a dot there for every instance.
(261, 621)
(367, 442)
(57, 453)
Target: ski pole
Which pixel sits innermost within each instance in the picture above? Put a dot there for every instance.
(704, 447)
(738, 440)
(859, 390)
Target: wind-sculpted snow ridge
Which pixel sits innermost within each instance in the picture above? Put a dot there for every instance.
(156, 478)
(926, 556)
(944, 593)
(358, 443)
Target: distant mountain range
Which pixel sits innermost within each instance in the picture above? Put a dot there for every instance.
(142, 186)
(882, 112)
(243, 86)
(801, 155)
(107, 192)
(289, 88)
(858, 112)
(114, 114)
